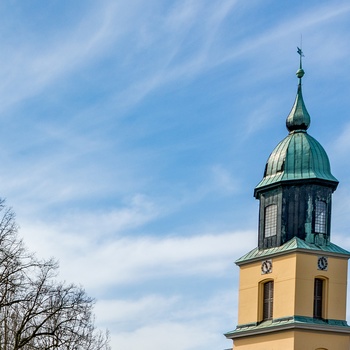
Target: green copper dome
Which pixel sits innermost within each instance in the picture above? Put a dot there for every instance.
(299, 156)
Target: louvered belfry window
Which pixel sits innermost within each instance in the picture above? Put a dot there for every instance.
(270, 220)
(318, 298)
(268, 301)
(320, 216)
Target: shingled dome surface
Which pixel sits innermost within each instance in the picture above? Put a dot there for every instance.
(298, 156)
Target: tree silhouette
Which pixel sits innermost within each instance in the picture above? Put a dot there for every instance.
(37, 311)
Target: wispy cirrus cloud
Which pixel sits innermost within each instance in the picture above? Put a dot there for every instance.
(213, 52)
(40, 64)
(125, 188)
(156, 312)
(103, 262)
(169, 315)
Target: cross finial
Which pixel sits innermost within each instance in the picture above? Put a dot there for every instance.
(300, 52)
(300, 72)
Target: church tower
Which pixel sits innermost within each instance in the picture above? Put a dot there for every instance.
(292, 288)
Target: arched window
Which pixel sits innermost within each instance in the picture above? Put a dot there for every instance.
(318, 297)
(267, 301)
(320, 216)
(270, 220)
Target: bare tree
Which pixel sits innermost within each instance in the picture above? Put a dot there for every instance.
(37, 311)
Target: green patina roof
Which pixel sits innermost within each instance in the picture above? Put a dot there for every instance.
(298, 118)
(287, 322)
(294, 244)
(298, 156)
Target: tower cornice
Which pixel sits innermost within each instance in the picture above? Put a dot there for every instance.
(293, 246)
(289, 323)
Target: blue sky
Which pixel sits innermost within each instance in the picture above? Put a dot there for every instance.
(134, 132)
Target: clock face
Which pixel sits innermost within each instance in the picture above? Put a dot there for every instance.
(266, 266)
(322, 263)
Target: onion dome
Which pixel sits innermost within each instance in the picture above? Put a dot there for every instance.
(298, 118)
(298, 157)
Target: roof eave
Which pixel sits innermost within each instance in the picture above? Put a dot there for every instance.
(293, 246)
(316, 180)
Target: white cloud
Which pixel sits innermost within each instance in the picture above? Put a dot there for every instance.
(114, 243)
(224, 180)
(130, 262)
(168, 335)
(42, 63)
(341, 144)
(126, 314)
(107, 27)
(100, 263)
(136, 322)
(205, 54)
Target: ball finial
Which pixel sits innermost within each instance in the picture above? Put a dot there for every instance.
(300, 73)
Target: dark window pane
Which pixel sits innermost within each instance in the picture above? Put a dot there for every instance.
(270, 220)
(320, 217)
(318, 298)
(268, 301)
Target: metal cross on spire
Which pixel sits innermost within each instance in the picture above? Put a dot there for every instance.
(300, 52)
(300, 72)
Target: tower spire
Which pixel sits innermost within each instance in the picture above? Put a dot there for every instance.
(298, 118)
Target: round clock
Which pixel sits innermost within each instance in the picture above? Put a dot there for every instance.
(266, 266)
(322, 263)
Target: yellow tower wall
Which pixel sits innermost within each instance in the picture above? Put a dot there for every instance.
(334, 290)
(294, 340)
(309, 340)
(250, 289)
(275, 341)
(293, 275)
